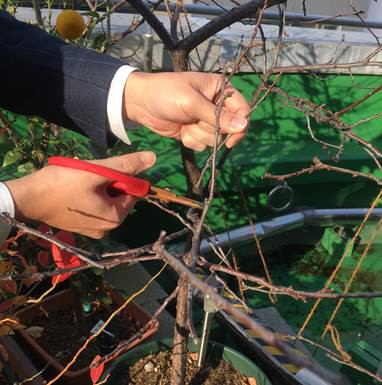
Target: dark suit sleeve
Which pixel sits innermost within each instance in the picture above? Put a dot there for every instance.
(41, 75)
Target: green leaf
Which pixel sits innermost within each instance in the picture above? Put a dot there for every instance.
(346, 192)
(11, 157)
(91, 14)
(25, 168)
(99, 41)
(106, 300)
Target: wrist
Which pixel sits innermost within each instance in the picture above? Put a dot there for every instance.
(7, 204)
(25, 197)
(131, 95)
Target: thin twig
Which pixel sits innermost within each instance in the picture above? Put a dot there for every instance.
(101, 329)
(318, 165)
(81, 254)
(222, 304)
(336, 357)
(123, 346)
(282, 290)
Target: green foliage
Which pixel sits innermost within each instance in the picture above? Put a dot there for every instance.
(11, 157)
(28, 142)
(91, 13)
(99, 42)
(293, 262)
(91, 287)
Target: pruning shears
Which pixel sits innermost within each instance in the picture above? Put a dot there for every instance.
(122, 183)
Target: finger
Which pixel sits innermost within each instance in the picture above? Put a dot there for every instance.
(201, 109)
(233, 140)
(236, 103)
(132, 164)
(206, 127)
(95, 234)
(124, 205)
(211, 129)
(191, 142)
(201, 132)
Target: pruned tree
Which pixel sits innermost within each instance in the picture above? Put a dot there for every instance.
(198, 181)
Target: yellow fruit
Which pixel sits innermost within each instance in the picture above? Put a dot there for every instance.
(70, 24)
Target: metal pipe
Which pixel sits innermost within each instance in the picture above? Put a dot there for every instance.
(210, 310)
(207, 322)
(291, 17)
(148, 42)
(265, 229)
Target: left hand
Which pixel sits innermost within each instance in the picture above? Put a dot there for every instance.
(182, 105)
(74, 200)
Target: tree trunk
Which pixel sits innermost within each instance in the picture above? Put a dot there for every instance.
(181, 332)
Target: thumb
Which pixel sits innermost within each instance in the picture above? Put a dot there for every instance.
(131, 164)
(204, 110)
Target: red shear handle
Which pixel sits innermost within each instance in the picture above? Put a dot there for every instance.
(122, 182)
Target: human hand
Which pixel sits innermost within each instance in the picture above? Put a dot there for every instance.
(182, 105)
(76, 200)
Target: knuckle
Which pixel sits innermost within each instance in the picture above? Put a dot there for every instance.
(185, 103)
(186, 138)
(97, 234)
(200, 147)
(130, 163)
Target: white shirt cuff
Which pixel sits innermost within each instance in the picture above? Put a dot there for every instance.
(6, 205)
(115, 104)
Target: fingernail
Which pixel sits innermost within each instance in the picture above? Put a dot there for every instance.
(239, 123)
(148, 158)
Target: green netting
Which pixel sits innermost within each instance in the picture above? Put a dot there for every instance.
(294, 260)
(279, 142)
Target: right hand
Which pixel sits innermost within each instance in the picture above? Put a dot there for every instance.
(76, 200)
(182, 105)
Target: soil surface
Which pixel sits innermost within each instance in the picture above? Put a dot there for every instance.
(157, 369)
(61, 337)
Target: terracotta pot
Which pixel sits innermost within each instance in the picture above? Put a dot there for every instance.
(64, 300)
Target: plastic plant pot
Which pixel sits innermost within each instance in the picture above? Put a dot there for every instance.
(64, 300)
(20, 362)
(215, 350)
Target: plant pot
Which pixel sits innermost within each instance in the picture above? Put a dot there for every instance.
(64, 300)
(19, 362)
(215, 350)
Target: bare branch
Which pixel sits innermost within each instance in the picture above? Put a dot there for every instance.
(154, 22)
(221, 303)
(282, 290)
(230, 17)
(318, 165)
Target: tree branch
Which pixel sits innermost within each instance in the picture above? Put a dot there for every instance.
(282, 290)
(222, 304)
(153, 21)
(318, 165)
(214, 26)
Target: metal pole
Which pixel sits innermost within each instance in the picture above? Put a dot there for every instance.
(148, 50)
(287, 222)
(209, 313)
(207, 322)
(291, 17)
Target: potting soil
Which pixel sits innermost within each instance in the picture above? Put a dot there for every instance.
(157, 369)
(61, 337)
